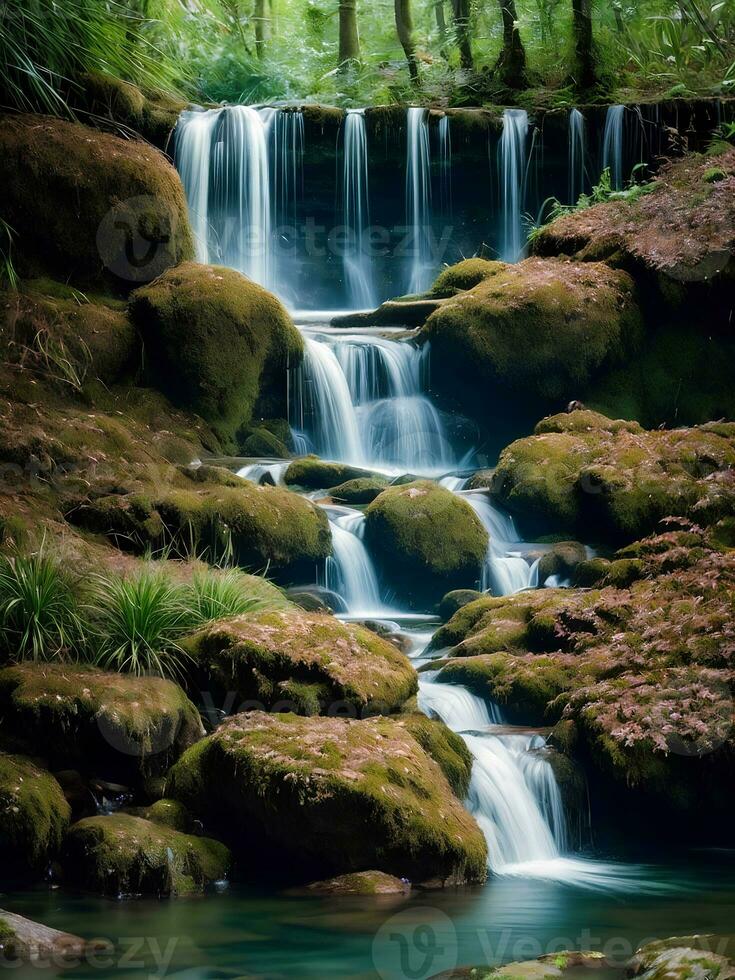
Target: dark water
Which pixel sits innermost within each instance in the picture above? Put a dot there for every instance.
(240, 932)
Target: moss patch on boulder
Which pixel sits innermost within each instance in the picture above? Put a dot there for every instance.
(464, 275)
(455, 600)
(122, 855)
(356, 492)
(359, 883)
(363, 794)
(113, 725)
(445, 747)
(68, 189)
(34, 816)
(313, 473)
(302, 661)
(427, 539)
(262, 443)
(150, 112)
(217, 343)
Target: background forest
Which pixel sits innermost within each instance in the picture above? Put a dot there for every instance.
(347, 52)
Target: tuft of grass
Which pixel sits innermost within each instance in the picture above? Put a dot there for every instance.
(7, 268)
(38, 608)
(137, 622)
(218, 594)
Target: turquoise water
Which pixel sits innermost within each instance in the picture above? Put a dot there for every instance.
(241, 932)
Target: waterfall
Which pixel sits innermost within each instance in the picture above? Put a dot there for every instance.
(349, 570)
(361, 400)
(504, 572)
(512, 176)
(612, 145)
(356, 257)
(285, 140)
(576, 161)
(418, 199)
(192, 148)
(445, 165)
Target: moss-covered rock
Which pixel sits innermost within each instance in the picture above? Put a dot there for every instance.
(125, 855)
(217, 343)
(615, 481)
(263, 443)
(151, 112)
(562, 560)
(34, 816)
(113, 725)
(427, 539)
(536, 333)
(455, 600)
(684, 957)
(359, 883)
(313, 473)
(259, 526)
(464, 275)
(304, 662)
(84, 204)
(363, 794)
(552, 966)
(445, 747)
(356, 492)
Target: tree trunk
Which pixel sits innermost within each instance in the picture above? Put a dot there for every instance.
(349, 37)
(441, 25)
(583, 43)
(461, 13)
(260, 24)
(404, 27)
(512, 62)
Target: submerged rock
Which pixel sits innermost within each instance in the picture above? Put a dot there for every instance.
(359, 883)
(113, 725)
(25, 941)
(217, 343)
(124, 855)
(363, 795)
(84, 204)
(34, 816)
(427, 539)
(304, 662)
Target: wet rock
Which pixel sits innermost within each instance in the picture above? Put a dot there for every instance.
(455, 600)
(549, 967)
(313, 473)
(463, 276)
(359, 883)
(562, 560)
(356, 492)
(34, 816)
(409, 312)
(25, 941)
(683, 958)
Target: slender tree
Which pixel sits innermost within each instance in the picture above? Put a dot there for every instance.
(260, 25)
(441, 26)
(349, 37)
(404, 27)
(584, 58)
(461, 14)
(511, 66)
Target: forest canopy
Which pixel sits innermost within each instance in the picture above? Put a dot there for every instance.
(355, 52)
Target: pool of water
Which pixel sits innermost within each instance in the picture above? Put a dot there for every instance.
(242, 932)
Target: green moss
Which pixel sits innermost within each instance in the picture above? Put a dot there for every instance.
(34, 816)
(426, 536)
(262, 443)
(61, 183)
(79, 717)
(312, 659)
(446, 748)
(562, 560)
(453, 601)
(464, 275)
(6, 932)
(360, 491)
(151, 113)
(125, 855)
(312, 473)
(364, 795)
(170, 813)
(217, 343)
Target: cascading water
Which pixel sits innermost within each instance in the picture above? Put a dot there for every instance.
(512, 161)
(444, 135)
(285, 144)
(418, 200)
(577, 155)
(356, 257)
(612, 145)
(192, 151)
(505, 570)
(349, 571)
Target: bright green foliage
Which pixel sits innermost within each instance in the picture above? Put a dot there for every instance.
(38, 608)
(216, 595)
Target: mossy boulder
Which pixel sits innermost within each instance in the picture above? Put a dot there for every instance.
(151, 112)
(455, 600)
(363, 794)
(262, 443)
(562, 560)
(684, 957)
(260, 526)
(359, 883)
(116, 726)
(427, 539)
(615, 481)
(217, 344)
(123, 855)
(313, 473)
(303, 662)
(464, 275)
(536, 334)
(85, 205)
(34, 816)
(357, 492)
(445, 747)
(551, 966)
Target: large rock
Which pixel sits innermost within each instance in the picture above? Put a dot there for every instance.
(25, 941)
(612, 480)
(685, 957)
(34, 816)
(363, 794)
(117, 726)
(122, 855)
(217, 344)
(261, 526)
(536, 334)
(427, 540)
(313, 473)
(84, 204)
(464, 275)
(304, 662)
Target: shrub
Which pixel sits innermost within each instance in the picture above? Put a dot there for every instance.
(219, 594)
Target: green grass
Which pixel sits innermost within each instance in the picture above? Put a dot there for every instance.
(218, 594)
(39, 608)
